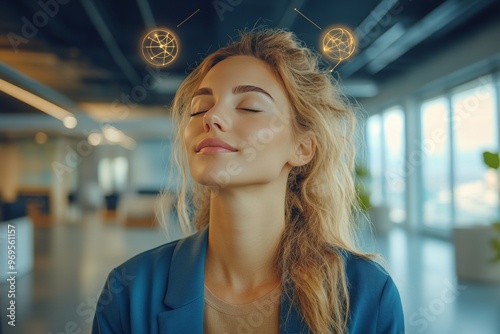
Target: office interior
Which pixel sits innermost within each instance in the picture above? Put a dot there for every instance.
(86, 139)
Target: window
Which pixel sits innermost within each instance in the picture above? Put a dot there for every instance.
(435, 150)
(394, 154)
(386, 147)
(454, 185)
(473, 124)
(113, 174)
(375, 159)
(475, 131)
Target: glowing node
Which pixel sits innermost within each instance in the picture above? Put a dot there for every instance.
(160, 47)
(338, 44)
(95, 138)
(70, 122)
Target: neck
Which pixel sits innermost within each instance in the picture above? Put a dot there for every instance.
(245, 229)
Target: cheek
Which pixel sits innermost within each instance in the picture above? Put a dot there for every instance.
(187, 136)
(268, 129)
(190, 131)
(268, 142)
(273, 139)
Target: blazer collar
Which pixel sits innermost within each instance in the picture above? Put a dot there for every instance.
(186, 284)
(187, 270)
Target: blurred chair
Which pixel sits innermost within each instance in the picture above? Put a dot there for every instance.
(139, 209)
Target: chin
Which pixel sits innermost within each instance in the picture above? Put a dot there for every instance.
(223, 181)
(212, 177)
(224, 174)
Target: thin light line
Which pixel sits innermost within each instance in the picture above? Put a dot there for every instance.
(336, 65)
(317, 26)
(35, 101)
(188, 18)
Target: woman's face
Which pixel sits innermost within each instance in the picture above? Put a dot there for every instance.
(239, 131)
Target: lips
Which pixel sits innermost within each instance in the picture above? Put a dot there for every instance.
(214, 145)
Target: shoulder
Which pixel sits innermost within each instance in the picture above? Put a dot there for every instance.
(136, 275)
(366, 278)
(135, 291)
(375, 304)
(359, 270)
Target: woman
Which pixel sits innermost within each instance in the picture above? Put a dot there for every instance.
(269, 143)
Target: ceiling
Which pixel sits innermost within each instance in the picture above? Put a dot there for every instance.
(85, 55)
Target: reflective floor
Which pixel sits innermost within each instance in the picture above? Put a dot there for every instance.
(433, 301)
(72, 262)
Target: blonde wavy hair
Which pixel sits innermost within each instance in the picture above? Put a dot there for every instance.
(321, 201)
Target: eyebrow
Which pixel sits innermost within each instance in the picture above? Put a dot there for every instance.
(249, 88)
(203, 91)
(236, 90)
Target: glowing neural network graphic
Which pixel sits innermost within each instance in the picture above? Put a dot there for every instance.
(338, 44)
(160, 47)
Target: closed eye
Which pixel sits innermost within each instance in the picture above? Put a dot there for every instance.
(198, 113)
(204, 111)
(248, 109)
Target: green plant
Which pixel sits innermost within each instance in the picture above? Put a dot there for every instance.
(492, 160)
(363, 195)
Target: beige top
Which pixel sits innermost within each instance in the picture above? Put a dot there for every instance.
(260, 316)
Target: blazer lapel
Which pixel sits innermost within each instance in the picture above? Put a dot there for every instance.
(185, 292)
(291, 320)
(187, 319)
(185, 287)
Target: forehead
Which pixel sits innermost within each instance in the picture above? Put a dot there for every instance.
(243, 70)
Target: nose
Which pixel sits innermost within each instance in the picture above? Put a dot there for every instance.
(216, 118)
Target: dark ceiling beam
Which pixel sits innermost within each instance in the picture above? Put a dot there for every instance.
(146, 13)
(375, 50)
(374, 18)
(397, 40)
(363, 29)
(450, 12)
(290, 15)
(106, 35)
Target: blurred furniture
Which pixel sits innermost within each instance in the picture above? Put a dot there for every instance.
(473, 254)
(138, 210)
(33, 202)
(111, 205)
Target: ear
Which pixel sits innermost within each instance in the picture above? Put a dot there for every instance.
(303, 151)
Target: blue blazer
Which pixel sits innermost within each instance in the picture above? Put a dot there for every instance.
(162, 291)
